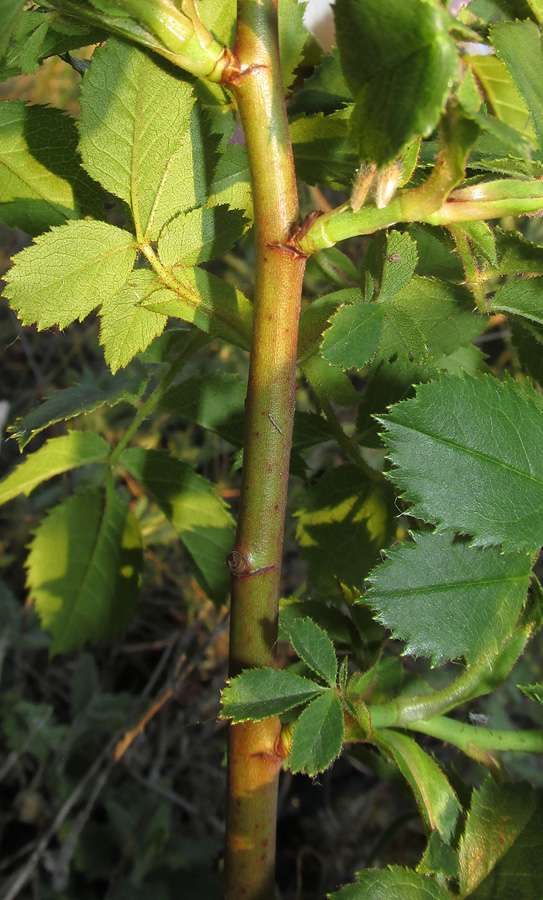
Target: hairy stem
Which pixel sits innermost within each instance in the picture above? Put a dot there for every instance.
(255, 562)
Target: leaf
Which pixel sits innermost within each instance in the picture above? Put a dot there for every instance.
(436, 800)
(126, 326)
(200, 235)
(61, 454)
(501, 93)
(10, 13)
(522, 298)
(321, 152)
(448, 599)
(42, 182)
(456, 442)
(354, 335)
(439, 859)
(198, 514)
(343, 522)
(393, 883)
(527, 340)
(219, 16)
(324, 92)
(142, 109)
(314, 647)
(503, 838)
(399, 63)
(75, 401)
(215, 401)
(518, 45)
(398, 265)
(517, 256)
(258, 694)
(84, 568)
(533, 691)
(231, 183)
(292, 36)
(318, 735)
(68, 271)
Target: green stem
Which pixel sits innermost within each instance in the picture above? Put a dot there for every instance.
(255, 562)
(471, 271)
(472, 737)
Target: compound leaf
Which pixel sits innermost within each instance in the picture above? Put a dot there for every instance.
(318, 735)
(314, 647)
(68, 271)
(394, 883)
(448, 599)
(257, 694)
(78, 448)
(456, 442)
(84, 568)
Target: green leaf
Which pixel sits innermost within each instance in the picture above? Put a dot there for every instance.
(215, 401)
(436, 800)
(200, 235)
(343, 522)
(518, 45)
(314, 647)
(321, 152)
(501, 93)
(393, 883)
(61, 454)
(503, 838)
(318, 735)
(398, 265)
(126, 326)
(514, 140)
(198, 514)
(10, 13)
(456, 442)
(399, 63)
(527, 340)
(231, 184)
(258, 694)
(448, 599)
(42, 182)
(219, 16)
(533, 691)
(354, 335)
(439, 859)
(404, 330)
(76, 401)
(482, 239)
(517, 256)
(522, 298)
(133, 103)
(324, 92)
(68, 271)
(292, 36)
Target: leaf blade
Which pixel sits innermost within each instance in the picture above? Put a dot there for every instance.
(258, 694)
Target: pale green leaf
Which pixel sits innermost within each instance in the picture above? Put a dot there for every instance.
(126, 326)
(193, 506)
(522, 298)
(447, 599)
(314, 647)
(343, 522)
(135, 133)
(200, 235)
(292, 36)
(354, 335)
(231, 184)
(537, 8)
(436, 800)
(84, 568)
(501, 93)
(41, 180)
(501, 817)
(75, 401)
(60, 454)
(68, 271)
(393, 883)
(518, 45)
(318, 735)
(469, 456)
(399, 63)
(257, 694)
(533, 691)
(220, 17)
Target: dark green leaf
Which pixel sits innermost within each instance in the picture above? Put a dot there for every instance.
(10, 13)
(393, 883)
(399, 63)
(517, 256)
(314, 647)
(533, 691)
(321, 152)
(318, 735)
(84, 568)
(324, 92)
(458, 440)
(439, 859)
(214, 401)
(518, 45)
(257, 694)
(522, 298)
(354, 335)
(527, 340)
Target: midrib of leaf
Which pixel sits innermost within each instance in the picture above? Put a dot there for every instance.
(478, 454)
(446, 586)
(158, 196)
(137, 118)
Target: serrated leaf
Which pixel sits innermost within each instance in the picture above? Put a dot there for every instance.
(61, 454)
(200, 235)
(405, 330)
(398, 265)
(318, 735)
(343, 522)
(321, 151)
(399, 63)
(126, 326)
(142, 108)
(527, 339)
(439, 859)
(68, 271)
(258, 694)
(533, 691)
(42, 182)
(501, 93)
(76, 401)
(448, 599)
(518, 45)
(231, 184)
(393, 883)
(324, 92)
(292, 36)
(354, 335)
(436, 800)
(517, 256)
(504, 827)
(514, 140)
(478, 432)
(219, 16)
(84, 567)
(10, 13)
(522, 298)
(314, 647)
(482, 239)
(215, 401)
(192, 505)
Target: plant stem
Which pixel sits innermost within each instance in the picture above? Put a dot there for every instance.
(255, 562)
(472, 737)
